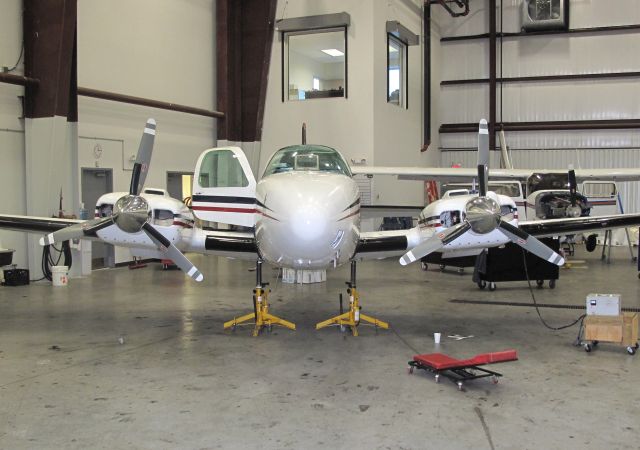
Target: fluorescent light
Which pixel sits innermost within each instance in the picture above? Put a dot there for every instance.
(333, 52)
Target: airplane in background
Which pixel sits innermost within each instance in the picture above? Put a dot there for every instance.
(304, 213)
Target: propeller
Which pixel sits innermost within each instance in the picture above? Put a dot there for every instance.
(483, 158)
(574, 210)
(482, 216)
(131, 212)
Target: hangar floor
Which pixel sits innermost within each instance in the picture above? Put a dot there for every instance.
(179, 381)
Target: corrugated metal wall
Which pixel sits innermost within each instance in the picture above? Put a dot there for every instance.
(581, 53)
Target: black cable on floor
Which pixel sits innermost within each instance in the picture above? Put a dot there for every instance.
(403, 340)
(535, 303)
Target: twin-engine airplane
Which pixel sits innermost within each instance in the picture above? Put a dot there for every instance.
(304, 213)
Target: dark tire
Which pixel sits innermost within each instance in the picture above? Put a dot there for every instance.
(482, 284)
(424, 266)
(540, 283)
(442, 267)
(587, 348)
(552, 284)
(631, 350)
(492, 286)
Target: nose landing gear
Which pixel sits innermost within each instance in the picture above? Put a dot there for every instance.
(353, 317)
(260, 314)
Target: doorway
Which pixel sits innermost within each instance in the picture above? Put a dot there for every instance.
(179, 184)
(96, 182)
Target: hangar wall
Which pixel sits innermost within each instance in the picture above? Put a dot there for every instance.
(362, 126)
(547, 100)
(12, 146)
(134, 48)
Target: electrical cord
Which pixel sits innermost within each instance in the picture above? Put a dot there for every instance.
(535, 303)
(15, 66)
(48, 260)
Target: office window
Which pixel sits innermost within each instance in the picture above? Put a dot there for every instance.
(315, 64)
(396, 71)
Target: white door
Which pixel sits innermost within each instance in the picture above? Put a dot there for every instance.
(224, 188)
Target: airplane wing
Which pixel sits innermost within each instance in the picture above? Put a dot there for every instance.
(37, 225)
(231, 244)
(385, 244)
(563, 227)
(373, 211)
(453, 174)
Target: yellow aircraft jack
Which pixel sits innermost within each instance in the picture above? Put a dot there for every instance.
(260, 314)
(353, 317)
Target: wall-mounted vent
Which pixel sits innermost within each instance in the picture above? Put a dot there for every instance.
(540, 15)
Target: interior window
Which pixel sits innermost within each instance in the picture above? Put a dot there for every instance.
(315, 64)
(221, 168)
(396, 71)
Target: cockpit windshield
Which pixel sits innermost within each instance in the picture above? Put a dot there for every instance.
(307, 158)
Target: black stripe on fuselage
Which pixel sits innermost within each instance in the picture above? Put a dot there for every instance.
(381, 244)
(224, 199)
(231, 244)
(355, 202)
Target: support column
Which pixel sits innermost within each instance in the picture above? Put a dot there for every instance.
(51, 133)
(244, 37)
(492, 74)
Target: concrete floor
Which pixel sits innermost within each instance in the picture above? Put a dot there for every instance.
(179, 381)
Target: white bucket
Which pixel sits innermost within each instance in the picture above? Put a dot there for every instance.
(60, 275)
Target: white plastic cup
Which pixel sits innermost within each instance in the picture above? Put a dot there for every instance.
(436, 337)
(60, 275)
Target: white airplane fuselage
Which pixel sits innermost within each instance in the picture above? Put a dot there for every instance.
(170, 216)
(444, 213)
(307, 220)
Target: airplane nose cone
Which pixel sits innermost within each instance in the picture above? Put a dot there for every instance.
(309, 222)
(302, 225)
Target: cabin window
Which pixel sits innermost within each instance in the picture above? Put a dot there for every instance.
(601, 190)
(221, 168)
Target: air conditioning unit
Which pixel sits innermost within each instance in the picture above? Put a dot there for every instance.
(541, 15)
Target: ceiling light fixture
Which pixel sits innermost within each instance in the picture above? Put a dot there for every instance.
(333, 52)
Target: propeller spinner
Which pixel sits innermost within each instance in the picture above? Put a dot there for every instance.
(482, 216)
(131, 212)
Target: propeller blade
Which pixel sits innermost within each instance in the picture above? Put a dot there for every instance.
(141, 166)
(77, 231)
(530, 243)
(483, 157)
(172, 252)
(434, 243)
(573, 187)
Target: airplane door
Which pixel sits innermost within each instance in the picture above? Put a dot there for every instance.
(224, 188)
(96, 182)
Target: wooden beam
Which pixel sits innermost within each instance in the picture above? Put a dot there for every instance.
(49, 52)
